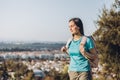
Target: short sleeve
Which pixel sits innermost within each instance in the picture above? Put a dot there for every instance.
(90, 43)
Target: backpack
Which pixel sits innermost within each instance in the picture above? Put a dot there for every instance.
(93, 62)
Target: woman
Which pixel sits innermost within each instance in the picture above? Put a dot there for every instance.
(79, 68)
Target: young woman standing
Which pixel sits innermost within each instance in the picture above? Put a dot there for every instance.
(79, 68)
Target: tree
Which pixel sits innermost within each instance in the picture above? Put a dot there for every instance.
(108, 39)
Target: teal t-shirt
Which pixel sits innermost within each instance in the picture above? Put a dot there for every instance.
(77, 61)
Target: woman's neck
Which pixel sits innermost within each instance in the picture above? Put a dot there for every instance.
(77, 37)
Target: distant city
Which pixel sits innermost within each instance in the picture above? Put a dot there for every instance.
(31, 46)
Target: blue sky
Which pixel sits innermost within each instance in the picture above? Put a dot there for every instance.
(46, 20)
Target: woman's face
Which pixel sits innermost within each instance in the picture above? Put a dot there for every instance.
(73, 28)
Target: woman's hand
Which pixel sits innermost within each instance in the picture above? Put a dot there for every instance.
(86, 54)
(64, 49)
(91, 55)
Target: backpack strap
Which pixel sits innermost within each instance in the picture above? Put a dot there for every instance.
(68, 43)
(83, 41)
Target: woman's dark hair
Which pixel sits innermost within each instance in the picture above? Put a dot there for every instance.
(79, 24)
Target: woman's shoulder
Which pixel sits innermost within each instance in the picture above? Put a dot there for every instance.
(68, 42)
(89, 39)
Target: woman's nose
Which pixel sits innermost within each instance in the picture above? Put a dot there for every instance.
(70, 28)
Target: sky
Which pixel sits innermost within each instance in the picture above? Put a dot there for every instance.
(46, 20)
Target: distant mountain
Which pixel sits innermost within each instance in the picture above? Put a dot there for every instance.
(36, 46)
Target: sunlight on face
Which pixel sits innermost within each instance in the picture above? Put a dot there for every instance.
(73, 27)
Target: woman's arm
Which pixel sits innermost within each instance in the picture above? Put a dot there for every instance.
(92, 54)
